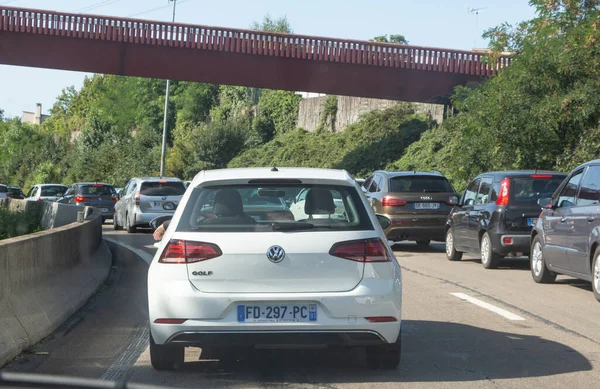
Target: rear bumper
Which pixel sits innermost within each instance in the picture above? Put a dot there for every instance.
(398, 233)
(211, 318)
(521, 243)
(144, 218)
(278, 338)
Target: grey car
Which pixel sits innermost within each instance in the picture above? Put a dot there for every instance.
(144, 199)
(566, 237)
(93, 194)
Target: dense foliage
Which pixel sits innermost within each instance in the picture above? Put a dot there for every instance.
(376, 139)
(13, 224)
(541, 112)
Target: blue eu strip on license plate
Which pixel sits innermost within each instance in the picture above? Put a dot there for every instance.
(531, 221)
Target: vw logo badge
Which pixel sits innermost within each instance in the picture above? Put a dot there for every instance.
(275, 254)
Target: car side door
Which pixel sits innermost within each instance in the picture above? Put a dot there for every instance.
(460, 214)
(479, 216)
(122, 203)
(584, 220)
(558, 225)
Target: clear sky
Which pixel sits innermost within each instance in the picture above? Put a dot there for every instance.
(437, 23)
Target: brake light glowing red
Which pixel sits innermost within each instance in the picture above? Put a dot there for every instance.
(381, 319)
(137, 198)
(507, 240)
(80, 199)
(541, 176)
(97, 185)
(390, 202)
(162, 181)
(363, 250)
(181, 251)
(503, 196)
(170, 321)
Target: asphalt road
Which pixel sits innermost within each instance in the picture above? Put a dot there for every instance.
(463, 327)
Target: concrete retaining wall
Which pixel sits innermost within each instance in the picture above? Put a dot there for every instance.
(45, 277)
(53, 214)
(350, 108)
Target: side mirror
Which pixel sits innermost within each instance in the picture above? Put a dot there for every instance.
(157, 222)
(453, 200)
(384, 221)
(470, 202)
(545, 202)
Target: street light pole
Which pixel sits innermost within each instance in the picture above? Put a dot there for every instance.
(164, 135)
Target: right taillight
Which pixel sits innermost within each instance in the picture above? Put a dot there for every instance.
(181, 251)
(363, 250)
(391, 202)
(503, 196)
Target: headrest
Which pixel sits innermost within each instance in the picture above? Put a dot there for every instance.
(319, 202)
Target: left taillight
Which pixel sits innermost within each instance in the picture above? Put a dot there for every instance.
(182, 251)
(363, 250)
(81, 199)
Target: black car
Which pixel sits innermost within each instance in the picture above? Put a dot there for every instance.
(93, 194)
(566, 237)
(14, 192)
(495, 214)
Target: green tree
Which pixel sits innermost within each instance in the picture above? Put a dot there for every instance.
(398, 39)
(273, 25)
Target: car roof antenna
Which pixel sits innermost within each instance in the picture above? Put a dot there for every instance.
(274, 169)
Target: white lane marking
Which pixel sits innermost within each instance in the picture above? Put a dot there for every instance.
(490, 307)
(147, 257)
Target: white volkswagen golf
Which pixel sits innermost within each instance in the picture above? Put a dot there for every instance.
(235, 269)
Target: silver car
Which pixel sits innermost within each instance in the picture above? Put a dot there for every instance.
(46, 192)
(144, 199)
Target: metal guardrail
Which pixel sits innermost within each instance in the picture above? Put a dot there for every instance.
(247, 42)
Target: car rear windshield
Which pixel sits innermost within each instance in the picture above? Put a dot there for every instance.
(53, 191)
(158, 188)
(97, 190)
(420, 184)
(3, 189)
(530, 190)
(265, 208)
(16, 191)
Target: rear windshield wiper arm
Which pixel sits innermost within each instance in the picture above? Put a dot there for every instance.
(292, 226)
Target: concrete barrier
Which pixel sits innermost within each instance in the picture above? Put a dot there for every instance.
(53, 214)
(45, 277)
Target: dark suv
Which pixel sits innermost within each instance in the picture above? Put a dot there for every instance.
(566, 237)
(417, 203)
(496, 213)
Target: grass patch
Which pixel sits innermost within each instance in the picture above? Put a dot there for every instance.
(14, 224)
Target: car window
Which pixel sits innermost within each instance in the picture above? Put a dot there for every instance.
(367, 183)
(162, 188)
(97, 190)
(132, 188)
(569, 192)
(3, 189)
(53, 191)
(222, 209)
(471, 192)
(302, 195)
(528, 190)
(69, 191)
(589, 192)
(374, 185)
(420, 183)
(483, 194)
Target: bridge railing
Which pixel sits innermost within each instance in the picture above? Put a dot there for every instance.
(247, 41)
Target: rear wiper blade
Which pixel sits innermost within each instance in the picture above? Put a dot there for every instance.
(295, 226)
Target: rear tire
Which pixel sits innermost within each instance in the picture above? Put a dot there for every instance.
(116, 225)
(385, 357)
(539, 270)
(489, 259)
(165, 357)
(451, 252)
(596, 274)
(423, 243)
(130, 228)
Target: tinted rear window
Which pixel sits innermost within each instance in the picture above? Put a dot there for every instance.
(53, 191)
(420, 184)
(156, 188)
(254, 208)
(530, 190)
(97, 190)
(3, 189)
(13, 190)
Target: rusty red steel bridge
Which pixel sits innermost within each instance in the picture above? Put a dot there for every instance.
(186, 52)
